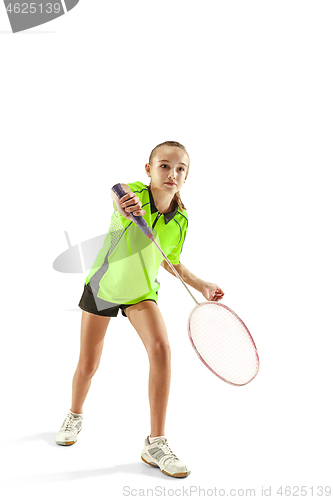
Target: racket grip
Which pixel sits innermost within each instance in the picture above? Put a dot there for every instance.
(138, 219)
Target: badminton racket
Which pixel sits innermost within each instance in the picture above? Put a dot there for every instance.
(219, 337)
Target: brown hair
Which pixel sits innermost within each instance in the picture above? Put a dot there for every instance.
(176, 198)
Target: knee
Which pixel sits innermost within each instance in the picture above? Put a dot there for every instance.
(160, 351)
(87, 368)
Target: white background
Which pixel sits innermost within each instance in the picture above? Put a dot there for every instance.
(246, 87)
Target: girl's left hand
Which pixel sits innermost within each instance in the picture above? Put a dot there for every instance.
(212, 292)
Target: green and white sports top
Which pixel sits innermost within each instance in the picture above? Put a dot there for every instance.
(126, 268)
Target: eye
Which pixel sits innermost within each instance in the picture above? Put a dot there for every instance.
(182, 168)
(164, 166)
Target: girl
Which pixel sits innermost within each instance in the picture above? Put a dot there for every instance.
(124, 277)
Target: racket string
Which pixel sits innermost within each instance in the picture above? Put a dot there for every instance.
(223, 342)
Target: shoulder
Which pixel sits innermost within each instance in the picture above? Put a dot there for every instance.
(137, 187)
(182, 217)
(179, 224)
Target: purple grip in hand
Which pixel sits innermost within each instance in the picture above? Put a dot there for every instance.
(138, 219)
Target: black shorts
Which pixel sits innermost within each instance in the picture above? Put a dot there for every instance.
(91, 303)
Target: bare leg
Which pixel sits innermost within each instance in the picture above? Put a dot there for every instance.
(93, 329)
(149, 324)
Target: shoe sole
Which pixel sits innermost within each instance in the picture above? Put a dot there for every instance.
(178, 474)
(66, 443)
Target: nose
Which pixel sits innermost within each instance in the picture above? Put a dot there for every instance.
(172, 174)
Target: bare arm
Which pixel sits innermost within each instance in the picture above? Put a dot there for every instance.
(115, 197)
(209, 290)
(188, 277)
(129, 200)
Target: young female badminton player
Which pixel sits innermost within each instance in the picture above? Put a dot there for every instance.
(124, 277)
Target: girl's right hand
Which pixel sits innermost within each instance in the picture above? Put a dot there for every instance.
(128, 204)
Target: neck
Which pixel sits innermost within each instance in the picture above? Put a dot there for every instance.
(163, 201)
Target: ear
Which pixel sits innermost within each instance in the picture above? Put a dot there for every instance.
(147, 168)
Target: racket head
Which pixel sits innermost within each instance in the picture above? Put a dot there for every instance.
(223, 343)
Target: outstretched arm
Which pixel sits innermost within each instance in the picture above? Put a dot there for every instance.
(209, 290)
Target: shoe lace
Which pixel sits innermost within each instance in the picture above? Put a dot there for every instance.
(68, 422)
(167, 450)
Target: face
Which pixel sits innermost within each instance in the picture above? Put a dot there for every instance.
(169, 168)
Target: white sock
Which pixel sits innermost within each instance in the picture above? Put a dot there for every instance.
(152, 439)
(76, 414)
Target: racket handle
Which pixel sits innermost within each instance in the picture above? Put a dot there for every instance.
(138, 219)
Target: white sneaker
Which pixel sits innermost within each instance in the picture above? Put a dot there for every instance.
(69, 430)
(158, 454)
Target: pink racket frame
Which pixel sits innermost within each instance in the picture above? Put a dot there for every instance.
(142, 224)
(200, 357)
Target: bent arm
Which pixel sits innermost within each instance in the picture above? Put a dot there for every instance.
(129, 204)
(210, 291)
(115, 198)
(188, 277)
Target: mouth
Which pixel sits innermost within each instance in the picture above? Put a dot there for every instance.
(170, 183)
